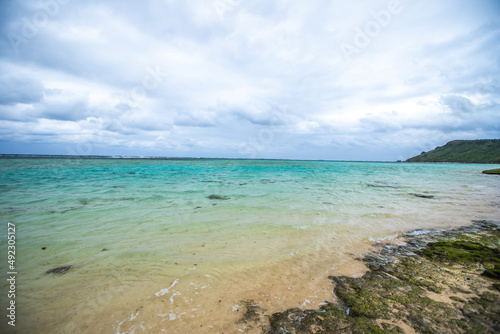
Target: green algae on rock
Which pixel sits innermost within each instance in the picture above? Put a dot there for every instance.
(253, 312)
(492, 171)
(463, 252)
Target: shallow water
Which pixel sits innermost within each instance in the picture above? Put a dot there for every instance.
(178, 262)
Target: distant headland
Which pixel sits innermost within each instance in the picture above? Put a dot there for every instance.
(486, 151)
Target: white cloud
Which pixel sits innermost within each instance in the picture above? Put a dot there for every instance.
(177, 78)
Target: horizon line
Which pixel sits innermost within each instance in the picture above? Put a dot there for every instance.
(96, 156)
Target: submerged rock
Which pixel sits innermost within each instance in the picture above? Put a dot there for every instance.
(492, 171)
(253, 312)
(59, 270)
(422, 196)
(218, 197)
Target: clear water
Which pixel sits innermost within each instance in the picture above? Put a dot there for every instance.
(167, 240)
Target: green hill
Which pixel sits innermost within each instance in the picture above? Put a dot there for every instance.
(471, 151)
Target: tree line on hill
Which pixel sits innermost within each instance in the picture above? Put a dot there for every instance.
(465, 151)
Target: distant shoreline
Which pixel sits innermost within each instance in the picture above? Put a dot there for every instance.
(115, 157)
(118, 157)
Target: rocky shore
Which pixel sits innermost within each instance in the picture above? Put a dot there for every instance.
(436, 282)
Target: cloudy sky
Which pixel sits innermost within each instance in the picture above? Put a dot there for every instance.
(316, 79)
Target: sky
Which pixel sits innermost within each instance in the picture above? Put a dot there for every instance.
(284, 79)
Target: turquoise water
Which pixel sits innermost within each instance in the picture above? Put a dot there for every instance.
(155, 219)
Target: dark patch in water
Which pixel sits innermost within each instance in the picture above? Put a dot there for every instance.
(422, 196)
(371, 185)
(131, 173)
(59, 270)
(67, 209)
(15, 209)
(105, 250)
(218, 197)
(253, 312)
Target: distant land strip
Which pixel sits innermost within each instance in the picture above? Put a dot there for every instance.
(484, 151)
(47, 156)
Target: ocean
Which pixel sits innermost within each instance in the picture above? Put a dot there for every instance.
(181, 246)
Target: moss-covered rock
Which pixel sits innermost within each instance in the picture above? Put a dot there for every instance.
(253, 312)
(492, 171)
(463, 252)
(493, 273)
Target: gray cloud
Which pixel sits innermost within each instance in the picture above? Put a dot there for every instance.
(20, 89)
(458, 104)
(74, 109)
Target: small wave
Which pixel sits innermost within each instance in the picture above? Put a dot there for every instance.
(419, 232)
(294, 252)
(176, 293)
(302, 227)
(389, 237)
(133, 316)
(165, 291)
(304, 304)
